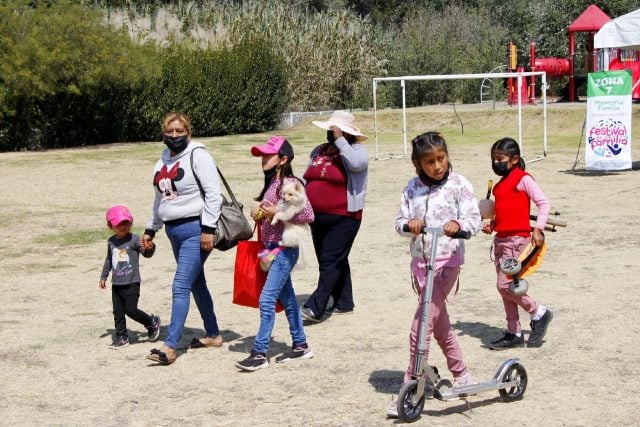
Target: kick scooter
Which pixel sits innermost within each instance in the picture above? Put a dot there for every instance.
(510, 378)
(529, 259)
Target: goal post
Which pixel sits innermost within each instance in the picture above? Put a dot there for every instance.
(517, 75)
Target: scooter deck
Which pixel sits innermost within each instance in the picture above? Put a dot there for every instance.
(531, 258)
(458, 392)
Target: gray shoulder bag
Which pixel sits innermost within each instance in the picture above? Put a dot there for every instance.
(232, 225)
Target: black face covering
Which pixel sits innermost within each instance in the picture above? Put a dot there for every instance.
(330, 138)
(176, 143)
(351, 139)
(268, 175)
(500, 168)
(426, 180)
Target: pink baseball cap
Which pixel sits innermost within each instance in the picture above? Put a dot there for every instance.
(117, 214)
(274, 145)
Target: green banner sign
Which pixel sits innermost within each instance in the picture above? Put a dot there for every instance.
(608, 125)
(609, 83)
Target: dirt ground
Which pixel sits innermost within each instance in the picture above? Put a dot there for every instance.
(56, 367)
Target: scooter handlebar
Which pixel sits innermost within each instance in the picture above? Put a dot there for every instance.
(461, 234)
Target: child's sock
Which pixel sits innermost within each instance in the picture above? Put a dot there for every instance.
(539, 313)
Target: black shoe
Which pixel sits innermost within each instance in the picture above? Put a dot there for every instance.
(254, 362)
(508, 340)
(119, 342)
(297, 352)
(308, 314)
(539, 329)
(154, 330)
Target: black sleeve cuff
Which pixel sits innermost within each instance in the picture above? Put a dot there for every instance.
(208, 230)
(150, 232)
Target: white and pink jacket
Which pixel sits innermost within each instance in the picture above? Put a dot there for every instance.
(436, 205)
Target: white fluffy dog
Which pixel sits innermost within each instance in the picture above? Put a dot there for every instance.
(294, 200)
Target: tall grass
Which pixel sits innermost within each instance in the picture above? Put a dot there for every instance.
(331, 56)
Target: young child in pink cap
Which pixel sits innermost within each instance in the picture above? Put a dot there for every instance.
(123, 249)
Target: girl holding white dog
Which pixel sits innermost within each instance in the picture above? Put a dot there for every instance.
(279, 180)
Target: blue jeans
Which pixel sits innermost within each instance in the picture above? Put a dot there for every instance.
(189, 278)
(279, 287)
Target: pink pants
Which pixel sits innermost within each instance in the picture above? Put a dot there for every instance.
(510, 247)
(444, 280)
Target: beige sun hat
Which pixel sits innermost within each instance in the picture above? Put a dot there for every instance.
(345, 121)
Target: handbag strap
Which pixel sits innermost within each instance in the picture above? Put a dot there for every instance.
(259, 231)
(224, 181)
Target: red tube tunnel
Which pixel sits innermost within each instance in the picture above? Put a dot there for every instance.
(554, 67)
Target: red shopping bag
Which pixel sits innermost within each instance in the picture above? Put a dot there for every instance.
(248, 277)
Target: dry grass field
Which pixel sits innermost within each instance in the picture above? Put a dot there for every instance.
(56, 367)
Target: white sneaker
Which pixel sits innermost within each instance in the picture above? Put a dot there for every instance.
(463, 380)
(392, 412)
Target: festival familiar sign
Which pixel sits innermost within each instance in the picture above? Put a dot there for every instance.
(608, 125)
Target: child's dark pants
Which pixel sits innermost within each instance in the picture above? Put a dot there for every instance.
(125, 301)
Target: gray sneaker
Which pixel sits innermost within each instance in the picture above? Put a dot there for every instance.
(119, 343)
(254, 362)
(154, 329)
(508, 340)
(297, 352)
(539, 329)
(308, 314)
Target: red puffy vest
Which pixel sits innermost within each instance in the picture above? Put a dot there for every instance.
(512, 206)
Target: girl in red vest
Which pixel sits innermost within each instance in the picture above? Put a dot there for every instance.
(513, 195)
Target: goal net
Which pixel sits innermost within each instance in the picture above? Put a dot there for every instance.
(394, 149)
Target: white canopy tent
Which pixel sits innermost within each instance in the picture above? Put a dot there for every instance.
(622, 32)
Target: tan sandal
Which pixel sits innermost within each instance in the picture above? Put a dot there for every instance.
(161, 357)
(208, 342)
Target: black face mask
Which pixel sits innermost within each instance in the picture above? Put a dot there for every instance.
(427, 180)
(268, 175)
(176, 143)
(330, 138)
(500, 168)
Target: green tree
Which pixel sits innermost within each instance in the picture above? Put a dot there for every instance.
(227, 90)
(53, 49)
(455, 40)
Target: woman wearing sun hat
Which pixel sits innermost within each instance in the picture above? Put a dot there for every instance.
(336, 179)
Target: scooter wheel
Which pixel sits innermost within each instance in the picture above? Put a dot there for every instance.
(510, 266)
(408, 409)
(520, 288)
(517, 373)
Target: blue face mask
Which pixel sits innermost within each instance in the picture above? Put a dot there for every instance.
(500, 168)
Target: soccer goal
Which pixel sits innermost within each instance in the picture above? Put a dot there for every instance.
(519, 76)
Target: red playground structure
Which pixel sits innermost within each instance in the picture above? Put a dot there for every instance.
(576, 65)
